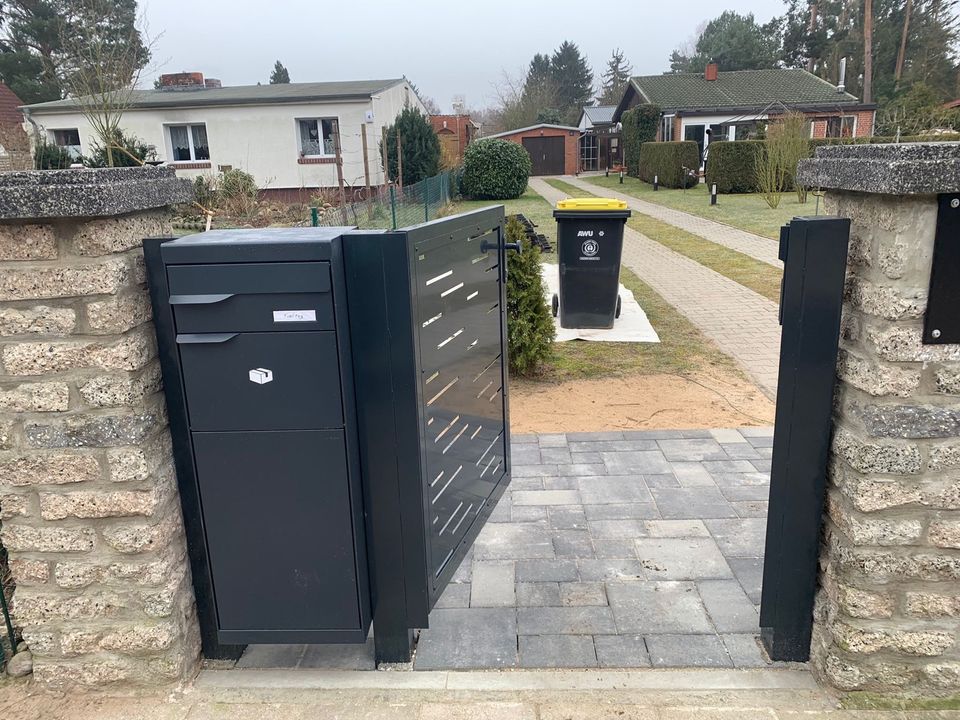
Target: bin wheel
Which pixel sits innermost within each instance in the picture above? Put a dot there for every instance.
(617, 314)
(555, 305)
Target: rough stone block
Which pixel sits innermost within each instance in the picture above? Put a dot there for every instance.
(139, 638)
(859, 603)
(29, 572)
(104, 277)
(884, 565)
(945, 675)
(945, 533)
(872, 494)
(908, 420)
(872, 530)
(93, 674)
(932, 605)
(36, 397)
(12, 506)
(944, 457)
(104, 236)
(130, 352)
(899, 343)
(947, 380)
(119, 313)
(871, 457)
(38, 320)
(886, 302)
(34, 605)
(76, 575)
(23, 538)
(129, 539)
(121, 390)
(48, 469)
(857, 640)
(28, 242)
(96, 504)
(85, 430)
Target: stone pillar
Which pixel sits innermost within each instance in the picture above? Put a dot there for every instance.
(888, 610)
(88, 498)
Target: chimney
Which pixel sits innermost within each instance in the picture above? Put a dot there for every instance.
(181, 81)
(842, 85)
(212, 83)
(711, 72)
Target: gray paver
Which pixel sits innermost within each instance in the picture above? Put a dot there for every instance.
(727, 435)
(575, 594)
(572, 544)
(588, 436)
(340, 657)
(623, 569)
(525, 454)
(728, 606)
(613, 489)
(546, 570)
(762, 465)
(528, 513)
(581, 469)
(613, 445)
(468, 638)
(696, 449)
(456, 595)
(565, 517)
(555, 455)
(621, 651)
(744, 651)
(492, 584)
(692, 474)
(662, 481)
(621, 511)
(271, 656)
(681, 650)
(658, 607)
(559, 483)
(553, 651)
(758, 431)
(746, 493)
(611, 547)
(513, 541)
(739, 538)
(728, 466)
(552, 440)
(682, 558)
(677, 528)
(635, 462)
(546, 497)
(749, 572)
(538, 594)
(741, 451)
(632, 527)
(751, 508)
(566, 621)
(692, 503)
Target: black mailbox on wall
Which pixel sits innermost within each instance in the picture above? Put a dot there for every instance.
(338, 405)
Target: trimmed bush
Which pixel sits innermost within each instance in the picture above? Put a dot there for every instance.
(732, 165)
(419, 144)
(667, 161)
(639, 125)
(495, 170)
(530, 329)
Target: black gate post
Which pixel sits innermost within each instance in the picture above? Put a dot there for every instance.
(814, 251)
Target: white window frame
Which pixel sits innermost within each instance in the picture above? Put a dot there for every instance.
(76, 151)
(319, 121)
(193, 151)
(666, 122)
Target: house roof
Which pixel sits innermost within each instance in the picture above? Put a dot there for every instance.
(736, 89)
(530, 127)
(9, 106)
(241, 95)
(600, 114)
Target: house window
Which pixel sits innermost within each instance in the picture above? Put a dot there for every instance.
(188, 143)
(841, 126)
(666, 129)
(68, 139)
(316, 136)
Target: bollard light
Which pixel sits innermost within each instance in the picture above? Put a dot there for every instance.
(713, 194)
(656, 182)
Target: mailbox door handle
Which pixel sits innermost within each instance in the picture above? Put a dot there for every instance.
(204, 338)
(198, 299)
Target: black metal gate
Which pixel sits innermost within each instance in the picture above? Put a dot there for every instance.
(432, 404)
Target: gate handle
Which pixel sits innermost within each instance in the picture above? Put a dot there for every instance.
(204, 338)
(198, 299)
(486, 245)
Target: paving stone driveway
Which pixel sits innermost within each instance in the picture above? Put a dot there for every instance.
(610, 549)
(614, 550)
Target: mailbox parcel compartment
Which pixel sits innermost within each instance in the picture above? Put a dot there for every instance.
(257, 371)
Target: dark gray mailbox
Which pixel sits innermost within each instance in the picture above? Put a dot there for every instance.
(338, 406)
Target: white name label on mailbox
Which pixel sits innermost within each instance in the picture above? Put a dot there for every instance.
(294, 315)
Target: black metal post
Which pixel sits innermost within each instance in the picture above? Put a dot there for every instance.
(713, 194)
(810, 314)
(656, 182)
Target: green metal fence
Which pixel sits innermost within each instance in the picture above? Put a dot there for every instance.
(392, 207)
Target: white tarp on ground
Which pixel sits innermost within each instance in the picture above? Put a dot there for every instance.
(631, 326)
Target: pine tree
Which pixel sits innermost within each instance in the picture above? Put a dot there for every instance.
(419, 144)
(280, 75)
(615, 78)
(573, 79)
(530, 329)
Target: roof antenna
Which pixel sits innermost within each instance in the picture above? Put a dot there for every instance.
(841, 86)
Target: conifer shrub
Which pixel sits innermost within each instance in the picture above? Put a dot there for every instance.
(530, 329)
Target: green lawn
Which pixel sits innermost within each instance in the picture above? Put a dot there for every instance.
(749, 272)
(747, 212)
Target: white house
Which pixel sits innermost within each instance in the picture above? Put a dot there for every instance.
(283, 135)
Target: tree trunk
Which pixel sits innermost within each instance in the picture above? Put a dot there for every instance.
(810, 27)
(868, 51)
(902, 54)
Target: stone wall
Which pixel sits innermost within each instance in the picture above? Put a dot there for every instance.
(888, 610)
(88, 499)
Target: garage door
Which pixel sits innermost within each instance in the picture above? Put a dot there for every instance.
(546, 153)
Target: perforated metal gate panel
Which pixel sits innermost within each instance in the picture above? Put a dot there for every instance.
(458, 282)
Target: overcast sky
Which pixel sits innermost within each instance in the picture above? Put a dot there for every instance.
(445, 48)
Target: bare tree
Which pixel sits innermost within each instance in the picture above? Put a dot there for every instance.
(104, 67)
(867, 51)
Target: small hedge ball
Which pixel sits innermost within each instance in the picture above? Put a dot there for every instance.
(495, 170)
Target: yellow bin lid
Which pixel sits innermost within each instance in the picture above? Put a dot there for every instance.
(591, 204)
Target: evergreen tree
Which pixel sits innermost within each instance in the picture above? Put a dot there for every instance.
(734, 42)
(419, 144)
(280, 75)
(530, 329)
(615, 78)
(573, 80)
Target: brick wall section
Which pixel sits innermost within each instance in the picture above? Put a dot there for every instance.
(90, 512)
(887, 617)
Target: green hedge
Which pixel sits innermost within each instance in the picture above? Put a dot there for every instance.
(732, 165)
(639, 125)
(666, 160)
(495, 170)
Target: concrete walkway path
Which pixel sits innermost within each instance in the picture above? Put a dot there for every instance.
(756, 246)
(741, 322)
